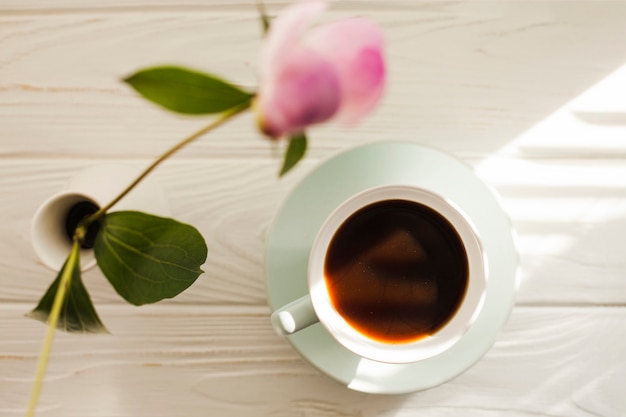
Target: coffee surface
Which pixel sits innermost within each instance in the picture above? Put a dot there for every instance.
(396, 270)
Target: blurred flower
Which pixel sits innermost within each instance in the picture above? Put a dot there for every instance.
(336, 70)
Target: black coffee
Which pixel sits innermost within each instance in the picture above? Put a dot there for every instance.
(397, 271)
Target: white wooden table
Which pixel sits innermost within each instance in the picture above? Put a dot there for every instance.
(533, 94)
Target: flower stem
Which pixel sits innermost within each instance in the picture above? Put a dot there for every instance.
(223, 117)
(53, 320)
(79, 235)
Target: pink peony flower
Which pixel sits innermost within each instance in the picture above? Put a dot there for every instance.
(334, 71)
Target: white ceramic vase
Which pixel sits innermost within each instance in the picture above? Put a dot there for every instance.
(95, 186)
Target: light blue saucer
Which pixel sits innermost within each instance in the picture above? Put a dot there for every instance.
(305, 209)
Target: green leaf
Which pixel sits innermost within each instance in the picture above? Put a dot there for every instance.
(187, 91)
(295, 152)
(77, 312)
(265, 19)
(148, 258)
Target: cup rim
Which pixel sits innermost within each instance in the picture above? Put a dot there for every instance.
(423, 348)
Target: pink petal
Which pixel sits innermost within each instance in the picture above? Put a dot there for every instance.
(303, 90)
(286, 31)
(355, 48)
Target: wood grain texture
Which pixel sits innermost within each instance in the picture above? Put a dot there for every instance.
(563, 211)
(524, 91)
(228, 362)
(468, 77)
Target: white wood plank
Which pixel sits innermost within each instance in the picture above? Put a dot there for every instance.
(67, 6)
(469, 76)
(569, 215)
(232, 212)
(570, 218)
(227, 361)
(524, 91)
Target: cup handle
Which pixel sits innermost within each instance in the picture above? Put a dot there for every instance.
(295, 316)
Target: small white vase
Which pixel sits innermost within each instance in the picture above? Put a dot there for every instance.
(95, 186)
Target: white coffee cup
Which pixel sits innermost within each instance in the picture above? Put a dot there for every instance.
(319, 306)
